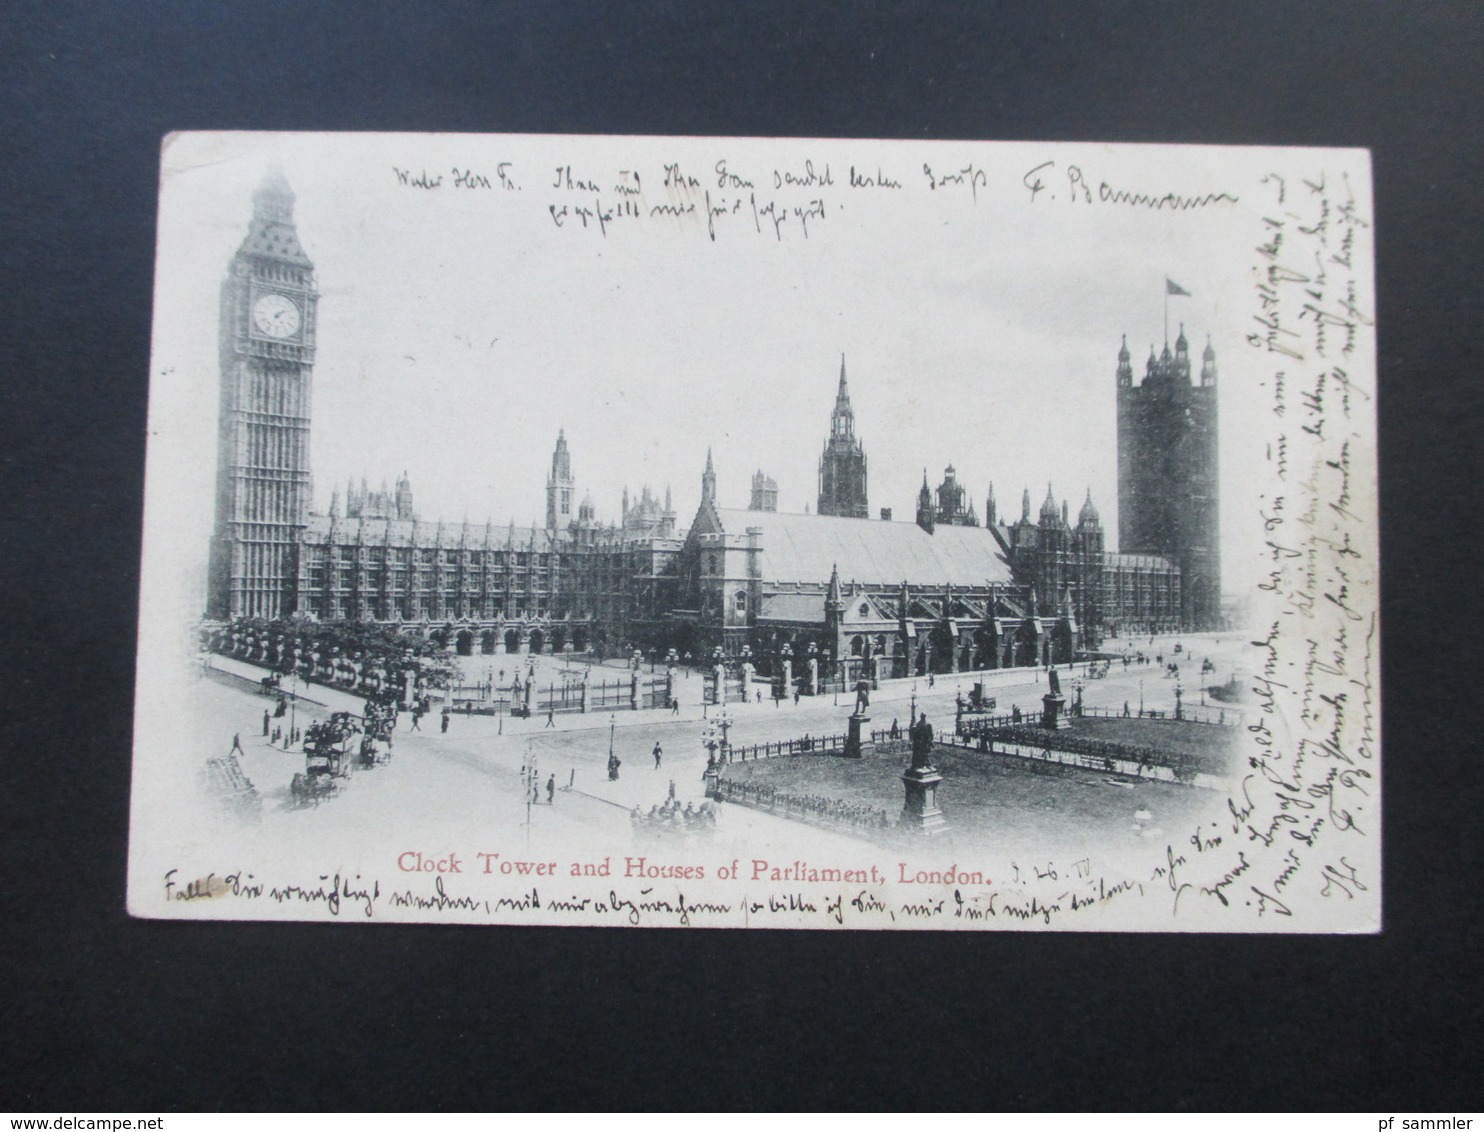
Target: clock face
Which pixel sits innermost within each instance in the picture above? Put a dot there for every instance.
(276, 315)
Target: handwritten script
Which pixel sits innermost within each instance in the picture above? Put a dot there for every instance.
(1307, 811)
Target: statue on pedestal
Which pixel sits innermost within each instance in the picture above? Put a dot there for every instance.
(920, 810)
(922, 743)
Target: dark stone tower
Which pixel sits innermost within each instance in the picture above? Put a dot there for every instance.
(926, 515)
(559, 486)
(404, 507)
(1051, 545)
(842, 467)
(1086, 569)
(267, 358)
(764, 492)
(954, 507)
(1168, 502)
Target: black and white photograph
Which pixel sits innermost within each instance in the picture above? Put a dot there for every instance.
(744, 533)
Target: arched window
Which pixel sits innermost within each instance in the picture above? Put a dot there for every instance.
(739, 603)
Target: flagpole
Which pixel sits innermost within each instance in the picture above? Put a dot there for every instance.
(1167, 312)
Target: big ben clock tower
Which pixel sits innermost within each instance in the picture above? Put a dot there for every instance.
(267, 358)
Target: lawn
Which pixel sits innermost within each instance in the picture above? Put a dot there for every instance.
(1213, 747)
(1001, 802)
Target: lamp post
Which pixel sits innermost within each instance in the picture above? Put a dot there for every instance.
(715, 751)
(1141, 697)
(293, 709)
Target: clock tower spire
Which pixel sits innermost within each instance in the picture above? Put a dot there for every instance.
(266, 344)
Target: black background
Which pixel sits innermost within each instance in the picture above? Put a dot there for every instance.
(101, 1012)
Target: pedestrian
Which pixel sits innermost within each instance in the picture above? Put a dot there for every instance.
(265, 722)
(674, 705)
(796, 697)
(672, 790)
(237, 750)
(759, 696)
(551, 790)
(1125, 709)
(657, 754)
(551, 716)
(444, 728)
(416, 715)
(930, 679)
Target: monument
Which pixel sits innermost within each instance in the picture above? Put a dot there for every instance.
(856, 721)
(1054, 705)
(920, 811)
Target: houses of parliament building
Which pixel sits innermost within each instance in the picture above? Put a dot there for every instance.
(943, 592)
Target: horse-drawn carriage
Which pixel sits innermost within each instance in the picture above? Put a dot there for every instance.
(327, 758)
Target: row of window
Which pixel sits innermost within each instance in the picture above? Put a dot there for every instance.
(318, 578)
(418, 610)
(402, 556)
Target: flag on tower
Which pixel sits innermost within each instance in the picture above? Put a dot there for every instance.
(1173, 288)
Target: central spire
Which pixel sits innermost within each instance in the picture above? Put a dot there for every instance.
(842, 466)
(842, 420)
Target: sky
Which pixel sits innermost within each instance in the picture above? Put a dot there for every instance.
(979, 309)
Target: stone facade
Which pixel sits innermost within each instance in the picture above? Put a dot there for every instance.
(1168, 489)
(883, 599)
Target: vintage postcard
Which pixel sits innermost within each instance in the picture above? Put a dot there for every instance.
(729, 533)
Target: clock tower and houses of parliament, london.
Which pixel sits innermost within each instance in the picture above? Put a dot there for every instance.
(884, 598)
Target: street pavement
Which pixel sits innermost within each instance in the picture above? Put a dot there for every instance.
(479, 768)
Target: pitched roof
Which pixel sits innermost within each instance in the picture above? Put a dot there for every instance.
(792, 607)
(804, 548)
(275, 239)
